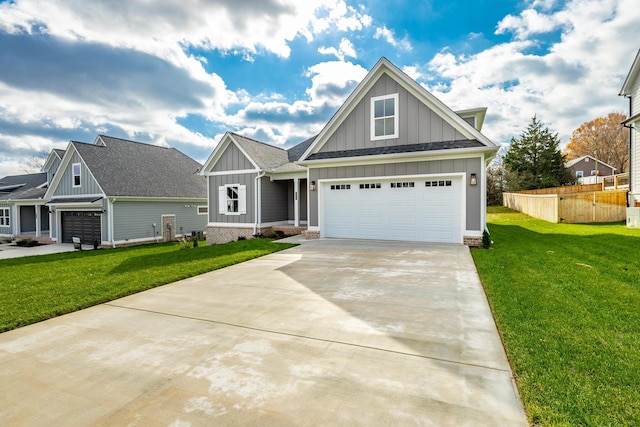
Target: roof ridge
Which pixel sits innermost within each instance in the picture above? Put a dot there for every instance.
(258, 142)
(132, 141)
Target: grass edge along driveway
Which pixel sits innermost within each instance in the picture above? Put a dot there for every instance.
(566, 299)
(37, 288)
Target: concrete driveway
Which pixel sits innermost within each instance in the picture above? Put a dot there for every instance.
(332, 332)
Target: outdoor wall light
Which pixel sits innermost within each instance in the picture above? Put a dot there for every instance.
(473, 180)
(313, 186)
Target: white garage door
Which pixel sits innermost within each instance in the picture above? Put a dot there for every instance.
(427, 210)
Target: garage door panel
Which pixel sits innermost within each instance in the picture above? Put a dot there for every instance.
(398, 210)
(83, 224)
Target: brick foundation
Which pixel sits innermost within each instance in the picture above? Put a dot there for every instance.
(310, 235)
(217, 235)
(473, 242)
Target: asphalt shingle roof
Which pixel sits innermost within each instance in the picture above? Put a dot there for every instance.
(272, 158)
(29, 183)
(396, 149)
(134, 169)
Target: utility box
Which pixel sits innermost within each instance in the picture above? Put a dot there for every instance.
(633, 217)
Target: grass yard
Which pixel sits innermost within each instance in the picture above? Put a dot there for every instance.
(566, 298)
(40, 287)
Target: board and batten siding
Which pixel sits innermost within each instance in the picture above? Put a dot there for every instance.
(273, 199)
(466, 165)
(232, 159)
(216, 181)
(417, 123)
(134, 220)
(88, 185)
(53, 169)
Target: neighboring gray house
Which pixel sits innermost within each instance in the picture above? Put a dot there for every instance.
(22, 208)
(116, 192)
(631, 89)
(585, 166)
(393, 163)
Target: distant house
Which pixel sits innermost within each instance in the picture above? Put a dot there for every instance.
(393, 163)
(586, 166)
(116, 192)
(631, 89)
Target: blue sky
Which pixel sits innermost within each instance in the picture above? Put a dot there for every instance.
(181, 73)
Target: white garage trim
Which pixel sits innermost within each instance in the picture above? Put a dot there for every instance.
(323, 185)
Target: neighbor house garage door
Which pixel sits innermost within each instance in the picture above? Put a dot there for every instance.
(427, 210)
(83, 224)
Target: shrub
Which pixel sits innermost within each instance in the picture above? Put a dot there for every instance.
(486, 239)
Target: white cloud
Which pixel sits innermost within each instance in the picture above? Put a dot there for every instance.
(388, 35)
(575, 80)
(345, 49)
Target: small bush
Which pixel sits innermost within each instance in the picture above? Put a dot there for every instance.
(486, 239)
(241, 238)
(27, 243)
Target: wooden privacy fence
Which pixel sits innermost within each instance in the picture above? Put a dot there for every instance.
(570, 208)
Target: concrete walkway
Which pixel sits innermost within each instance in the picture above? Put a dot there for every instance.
(332, 332)
(13, 251)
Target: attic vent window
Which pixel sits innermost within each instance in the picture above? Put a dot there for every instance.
(384, 117)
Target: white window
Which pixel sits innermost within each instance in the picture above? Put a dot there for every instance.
(4, 217)
(594, 172)
(203, 210)
(232, 199)
(579, 174)
(384, 117)
(76, 171)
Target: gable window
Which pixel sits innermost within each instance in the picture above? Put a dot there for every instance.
(232, 199)
(76, 171)
(4, 217)
(384, 117)
(579, 174)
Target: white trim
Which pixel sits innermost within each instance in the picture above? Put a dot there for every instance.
(200, 207)
(231, 172)
(453, 153)
(73, 175)
(217, 152)
(230, 224)
(72, 196)
(296, 202)
(282, 176)
(384, 66)
(373, 119)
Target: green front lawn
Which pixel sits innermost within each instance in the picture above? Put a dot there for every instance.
(566, 298)
(40, 287)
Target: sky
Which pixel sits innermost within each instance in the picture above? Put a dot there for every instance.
(182, 73)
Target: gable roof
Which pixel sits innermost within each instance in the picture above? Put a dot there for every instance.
(263, 156)
(384, 66)
(627, 86)
(27, 186)
(133, 169)
(579, 159)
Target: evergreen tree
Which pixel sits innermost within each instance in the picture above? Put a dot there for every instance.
(535, 161)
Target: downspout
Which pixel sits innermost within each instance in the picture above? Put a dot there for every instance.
(111, 231)
(630, 153)
(256, 212)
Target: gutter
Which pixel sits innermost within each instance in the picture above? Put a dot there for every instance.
(256, 212)
(631, 127)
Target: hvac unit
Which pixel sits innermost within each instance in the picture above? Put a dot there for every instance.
(633, 217)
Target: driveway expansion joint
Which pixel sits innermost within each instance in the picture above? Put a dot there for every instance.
(269, 331)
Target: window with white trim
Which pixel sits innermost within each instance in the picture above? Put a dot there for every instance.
(579, 174)
(594, 172)
(203, 210)
(232, 199)
(4, 217)
(76, 170)
(384, 117)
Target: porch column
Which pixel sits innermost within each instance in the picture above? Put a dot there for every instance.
(38, 228)
(296, 202)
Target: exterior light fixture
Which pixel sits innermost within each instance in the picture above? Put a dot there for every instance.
(313, 186)
(473, 180)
